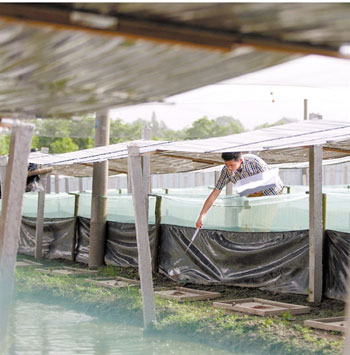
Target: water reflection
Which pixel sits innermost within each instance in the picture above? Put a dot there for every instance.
(39, 329)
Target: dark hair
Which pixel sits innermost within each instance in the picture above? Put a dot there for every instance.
(231, 156)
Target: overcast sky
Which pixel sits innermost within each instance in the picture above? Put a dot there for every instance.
(264, 96)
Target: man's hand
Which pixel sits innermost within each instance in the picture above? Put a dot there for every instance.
(199, 222)
(207, 204)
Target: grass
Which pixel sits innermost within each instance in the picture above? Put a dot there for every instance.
(197, 321)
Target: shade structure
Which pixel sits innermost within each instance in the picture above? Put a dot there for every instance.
(276, 145)
(59, 60)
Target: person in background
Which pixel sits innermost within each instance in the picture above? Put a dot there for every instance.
(33, 182)
(238, 167)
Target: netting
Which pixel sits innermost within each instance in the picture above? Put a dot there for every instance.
(338, 212)
(120, 207)
(56, 205)
(286, 212)
(271, 213)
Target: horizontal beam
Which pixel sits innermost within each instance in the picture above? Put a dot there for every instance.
(170, 32)
(338, 150)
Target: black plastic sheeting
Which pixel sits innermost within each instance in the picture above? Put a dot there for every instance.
(276, 261)
(121, 247)
(336, 264)
(83, 235)
(57, 237)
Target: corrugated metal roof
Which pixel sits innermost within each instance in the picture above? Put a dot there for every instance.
(280, 144)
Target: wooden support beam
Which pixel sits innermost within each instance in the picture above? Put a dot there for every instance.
(146, 168)
(142, 237)
(10, 220)
(3, 165)
(315, 224)
(76, 210)
(337, 150)
(99, 191)
(146, 162)
(39, 228)
(160, 31)
(41, 171)
(57, 183)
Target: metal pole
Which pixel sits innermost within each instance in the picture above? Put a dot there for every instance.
(99, 191)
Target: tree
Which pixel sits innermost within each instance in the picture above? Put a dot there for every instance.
(206, 128)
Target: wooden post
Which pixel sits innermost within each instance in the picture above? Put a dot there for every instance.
(81, 187)
(39, 228)
(66, 185)
(142, 237)
(305, 109)
(347, 321)
(128, 177)
(146, 168)
(146, 163)
(98, 199)
(3, 164)
(315, 224)
(57, 184)
(10, 221)
(76, 210)
(48, 184)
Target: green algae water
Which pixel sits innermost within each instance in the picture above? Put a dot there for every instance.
(40, 329)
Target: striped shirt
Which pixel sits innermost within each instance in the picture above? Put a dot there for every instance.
(251, 165)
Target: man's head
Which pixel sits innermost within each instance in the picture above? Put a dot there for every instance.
(232, 161)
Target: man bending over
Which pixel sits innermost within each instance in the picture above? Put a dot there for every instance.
(238, 167)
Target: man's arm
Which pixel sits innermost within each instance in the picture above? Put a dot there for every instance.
(207, 204)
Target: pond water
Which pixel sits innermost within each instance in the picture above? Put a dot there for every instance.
(40, 329)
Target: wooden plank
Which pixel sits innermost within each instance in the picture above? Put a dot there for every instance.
(315, 224)
(142, 237)
(10, 221)
(261, 307)
(99, 191)
(183, 294)
(333, 323)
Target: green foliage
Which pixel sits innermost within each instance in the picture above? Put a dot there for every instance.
(206, 128)
(66, 135)
(4, 144)
(277, 123)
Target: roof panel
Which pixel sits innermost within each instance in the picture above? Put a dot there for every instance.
(280, 144)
